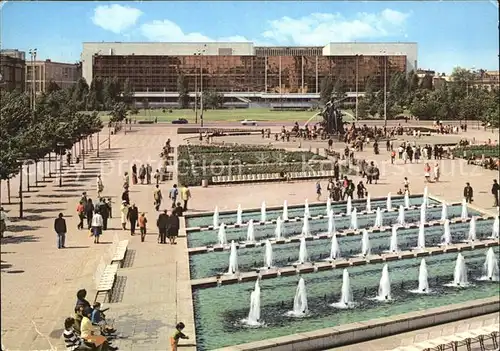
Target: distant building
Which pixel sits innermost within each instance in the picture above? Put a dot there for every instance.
(421, 73)
(12, 68)
(240, 70)
(64, 75)
(487, 79)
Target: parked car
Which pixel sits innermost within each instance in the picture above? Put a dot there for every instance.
(180, 121)
(247, 122)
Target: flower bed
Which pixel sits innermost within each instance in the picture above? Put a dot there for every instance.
(477, 151)
(203, 162)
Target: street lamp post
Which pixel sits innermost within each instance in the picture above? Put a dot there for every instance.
(195, 93)
(200, 53)
(32, 53)
(60, 146)
(357, 70)
(97, 144)
(385, 89)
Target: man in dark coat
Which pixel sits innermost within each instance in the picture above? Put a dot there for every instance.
(468, 193)
(495, 188)
(133, 216)
(162, 224)
(60, 229)
(173, 228)
(104, 211)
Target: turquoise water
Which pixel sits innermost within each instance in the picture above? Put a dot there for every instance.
(209, 237)
(298, 211)
(218, 311)
(213, 263)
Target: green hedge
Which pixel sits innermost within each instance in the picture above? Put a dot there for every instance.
(197, 149)
(477, 151)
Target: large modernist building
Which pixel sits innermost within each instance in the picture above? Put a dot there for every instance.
(242, 70)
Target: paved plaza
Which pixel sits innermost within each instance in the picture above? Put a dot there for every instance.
(153, 293)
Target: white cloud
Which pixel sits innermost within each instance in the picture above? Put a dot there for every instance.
(322, 28)
(313, 29)
(115, 18)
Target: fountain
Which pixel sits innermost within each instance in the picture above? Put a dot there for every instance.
(423, 214)
(354, 219)
(472, 230)
(263, 212)
(331, 223)
(465, 213)
(216, 217)
(401, 215)
(365, 244)
(444, 212)
(423, 281)
(268, 255)
(378, 218)
(328, 205)
(407, 200)
(496, 228)
(368, 204)
(384, 289)
(335, 250)
(250, 232)
(490, 266)
(239, 214)
(460, 273)
(222, 234)
(346, 298)
(233, 259)
(306, 209)
(302, 251)
(421, 236)
(348, 210)
(254, 313)
(305, 226)
(300, 308)
(425, 199)
(285, 210)
(389, 202)
(446, 238)
(278, 232)
(393, 246)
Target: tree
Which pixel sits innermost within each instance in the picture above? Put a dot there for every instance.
(212, 99)
(363, 108)
(326, 89)
(339, 89)
(52, 86)
(127, 94)
(183, 90)
(96, 93)
(79, 94)
(119, 112)
(424, 108)
(111, 92)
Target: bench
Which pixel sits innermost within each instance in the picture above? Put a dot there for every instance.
(104, 279)
(117, 250)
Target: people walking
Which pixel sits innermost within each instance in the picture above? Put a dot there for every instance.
(157, 177)
(103, 209)
(133, 216)
(142, 225)
(162, 224)
(427, 173)
(126, 197)
(60, 229)
(97, 226)
(172, 195)
(149, 170)
(157, 197)
(100, 186)
(495, 189)
(318, 190)
(142, 174)
(468, 193)
(437, 172)
(134, 174)
(89, 212)
(80, 211)
(124, 214)
(126, 181)
(185, 196)
(173, 228)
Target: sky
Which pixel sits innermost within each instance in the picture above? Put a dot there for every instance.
(448, 33)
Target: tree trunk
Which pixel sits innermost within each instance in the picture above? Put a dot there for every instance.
(43, 169)
(36, 173)
(8, 190)
(27, 177)
(50, 169)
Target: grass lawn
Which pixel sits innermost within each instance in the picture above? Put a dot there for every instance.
(256, 114)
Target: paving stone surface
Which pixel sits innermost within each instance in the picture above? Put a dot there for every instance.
(39, 282)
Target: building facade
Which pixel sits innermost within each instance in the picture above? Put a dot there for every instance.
(241, 69)
(41, 73)
(12, 70)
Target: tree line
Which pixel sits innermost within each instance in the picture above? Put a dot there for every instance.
(460, 98)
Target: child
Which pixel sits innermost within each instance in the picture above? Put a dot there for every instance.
(178, 334)
(142, 225)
